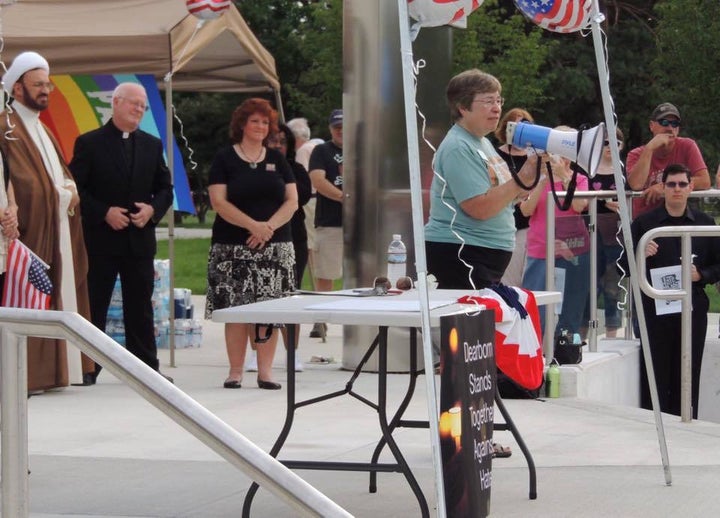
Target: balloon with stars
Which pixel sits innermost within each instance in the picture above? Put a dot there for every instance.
(208, 9)
(433, 13)
(563, 16)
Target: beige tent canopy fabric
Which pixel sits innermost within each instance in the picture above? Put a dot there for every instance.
(140, 37)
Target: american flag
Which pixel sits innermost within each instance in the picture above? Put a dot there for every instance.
(433, 13)
(557, 15)
(27, 284)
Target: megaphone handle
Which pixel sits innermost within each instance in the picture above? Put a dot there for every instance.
(567, 201)
(516, 176)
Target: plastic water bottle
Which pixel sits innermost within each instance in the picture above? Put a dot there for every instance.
(396, 259)
(552, 382)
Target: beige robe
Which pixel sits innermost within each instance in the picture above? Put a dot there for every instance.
(38, 222)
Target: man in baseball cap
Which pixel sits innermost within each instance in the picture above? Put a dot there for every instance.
(645, 164)
(665, 110)
(326, 175)
(336, 118)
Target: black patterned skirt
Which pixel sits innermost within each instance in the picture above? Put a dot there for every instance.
(239, 275)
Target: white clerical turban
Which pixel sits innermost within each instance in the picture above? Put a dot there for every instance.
(21, 64)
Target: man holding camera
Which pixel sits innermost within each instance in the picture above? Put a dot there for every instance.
(645, 164)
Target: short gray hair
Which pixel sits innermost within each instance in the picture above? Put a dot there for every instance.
(299, 127)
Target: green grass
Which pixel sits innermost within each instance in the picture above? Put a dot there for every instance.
(190, 262)
(714, 297)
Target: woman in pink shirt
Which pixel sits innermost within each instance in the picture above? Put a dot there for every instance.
(572, 244)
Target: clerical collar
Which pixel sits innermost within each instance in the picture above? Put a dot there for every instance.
(119, 132)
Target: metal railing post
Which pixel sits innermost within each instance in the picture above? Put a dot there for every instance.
(169, 399)
(13, 379)
(686, 233)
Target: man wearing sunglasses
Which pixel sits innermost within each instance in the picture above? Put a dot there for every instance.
(664, 329)
(645, 164)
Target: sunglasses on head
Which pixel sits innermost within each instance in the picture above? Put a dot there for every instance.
(672, 185)
(667, 122)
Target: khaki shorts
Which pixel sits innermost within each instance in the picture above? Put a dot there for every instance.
(328, 253)
(309, 209)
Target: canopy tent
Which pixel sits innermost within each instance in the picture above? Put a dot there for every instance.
(156, 37)
(141, 37)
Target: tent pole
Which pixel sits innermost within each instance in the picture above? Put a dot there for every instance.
(419, 243)
(169, 138)
(278, 103)
(604, 78)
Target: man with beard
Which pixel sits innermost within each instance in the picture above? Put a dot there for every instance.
(48, 215)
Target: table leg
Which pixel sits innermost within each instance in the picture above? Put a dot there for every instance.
(510, 425)
(385, 427)
(289, 415)
(397, 418)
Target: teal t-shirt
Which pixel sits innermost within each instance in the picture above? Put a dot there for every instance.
(467, 166)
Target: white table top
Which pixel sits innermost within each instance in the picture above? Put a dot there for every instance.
(342, 308)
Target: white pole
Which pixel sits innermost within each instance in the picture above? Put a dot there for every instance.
(419, 242)
(603, 75)
(171, 212)
(13, 387)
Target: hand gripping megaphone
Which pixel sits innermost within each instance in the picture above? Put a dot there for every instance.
(563, 143)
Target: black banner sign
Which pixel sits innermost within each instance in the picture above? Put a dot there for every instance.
(467, 396)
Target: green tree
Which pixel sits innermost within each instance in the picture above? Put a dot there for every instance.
(497, 40)
(305, 38)
(319, 88)
(687, 68)
(554, 75)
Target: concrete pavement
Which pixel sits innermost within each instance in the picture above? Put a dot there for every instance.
(102, 451)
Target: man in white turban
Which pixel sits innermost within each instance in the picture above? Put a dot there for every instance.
(48, 215)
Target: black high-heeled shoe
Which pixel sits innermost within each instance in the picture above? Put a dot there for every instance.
(268, 385)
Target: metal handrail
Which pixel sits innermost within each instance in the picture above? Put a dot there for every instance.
(549, 325)
(18, 324)
(685, 233)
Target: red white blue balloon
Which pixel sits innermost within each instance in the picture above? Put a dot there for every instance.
(208, 9)
(557, 15)
(433, 13)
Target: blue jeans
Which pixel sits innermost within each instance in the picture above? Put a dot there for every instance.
(575, 294)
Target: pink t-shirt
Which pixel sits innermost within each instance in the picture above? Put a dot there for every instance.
(537, 234)
(685, 152)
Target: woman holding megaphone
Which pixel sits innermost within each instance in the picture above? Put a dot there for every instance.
(470, 234)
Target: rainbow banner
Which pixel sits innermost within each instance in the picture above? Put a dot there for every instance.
(81, 103)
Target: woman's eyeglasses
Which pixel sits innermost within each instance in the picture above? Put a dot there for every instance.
(607, 143)
(489, 103)
(667, 122)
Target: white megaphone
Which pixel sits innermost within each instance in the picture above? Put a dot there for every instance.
(563, 143)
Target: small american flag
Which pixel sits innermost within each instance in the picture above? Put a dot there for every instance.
(27, 284)
(557, 15)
